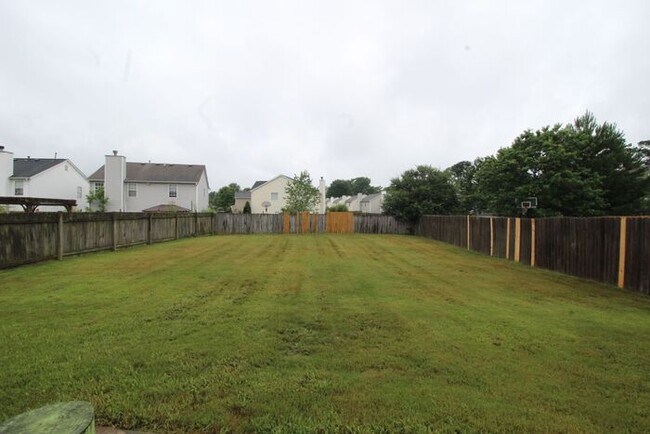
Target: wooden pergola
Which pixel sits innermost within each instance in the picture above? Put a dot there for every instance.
(30, 204)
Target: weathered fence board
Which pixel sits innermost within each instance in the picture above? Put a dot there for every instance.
(450, 229)
(637, 254)
(380, 224)
(583, 247)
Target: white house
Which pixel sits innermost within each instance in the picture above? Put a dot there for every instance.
(354, 203)
(134, 187)
(372, 203)
(269, 197)
(50, 178)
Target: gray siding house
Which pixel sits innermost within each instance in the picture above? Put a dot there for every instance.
(134, 187)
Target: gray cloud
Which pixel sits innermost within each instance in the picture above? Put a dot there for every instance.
(340, 88)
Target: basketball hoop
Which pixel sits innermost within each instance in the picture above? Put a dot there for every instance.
(526, 204)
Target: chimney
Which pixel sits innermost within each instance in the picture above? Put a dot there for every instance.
(322, 195)
(6, 170)
(114, 177)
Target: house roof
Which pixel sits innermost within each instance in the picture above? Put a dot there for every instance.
(28, 167)
(242, 195)
(370, 197)
(258, 184)
(166, 208)
(157, 172)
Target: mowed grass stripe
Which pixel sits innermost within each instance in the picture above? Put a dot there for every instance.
(299, 333)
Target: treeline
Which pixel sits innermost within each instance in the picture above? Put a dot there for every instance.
(578, 169)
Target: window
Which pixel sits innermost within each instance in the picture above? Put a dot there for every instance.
(172, 190)
(79, 192)
(274, 196)
(133, 192)
(99, 186)
(18, 191)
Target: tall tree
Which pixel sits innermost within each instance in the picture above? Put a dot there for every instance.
(581, 169)
(463, 178)
(222, 199)
(420, 191)
(339, 187)
(301, 194)
(351, 187)
(362, 185)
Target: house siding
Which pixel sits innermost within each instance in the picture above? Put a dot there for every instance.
(54, 183)
(263, 193)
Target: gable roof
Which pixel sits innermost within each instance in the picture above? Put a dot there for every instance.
(28, 167)
(370, 197)
(157, 172)
(166, 208)
(258, 184)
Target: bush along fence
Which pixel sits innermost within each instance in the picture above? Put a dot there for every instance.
(614, 250)
(26, 238)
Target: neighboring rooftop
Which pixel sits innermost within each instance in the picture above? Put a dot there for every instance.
(258, 183)
(166, 208)
(242, 195)
(370, 197)
(157, 172)
(27, 167)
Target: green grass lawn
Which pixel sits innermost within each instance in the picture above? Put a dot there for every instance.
(334, 333)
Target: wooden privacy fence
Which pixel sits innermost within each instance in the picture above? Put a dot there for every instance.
(26, 238)
(613, 250)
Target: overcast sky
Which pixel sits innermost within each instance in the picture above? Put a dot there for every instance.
(253, 89)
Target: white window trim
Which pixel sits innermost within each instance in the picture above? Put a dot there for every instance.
(175, 190)
(17, 183)
(134, 190)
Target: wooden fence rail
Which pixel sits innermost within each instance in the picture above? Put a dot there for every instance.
(613, 250)
(26, 238)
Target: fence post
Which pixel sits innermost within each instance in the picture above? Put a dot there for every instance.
(114, 231)
(468, 233)
(196, 224)
(622, 244)
(149, 228)
(59, 253)
(532, 242)
(508, 238)
(517, 238)
(176, 226)
(491, 236)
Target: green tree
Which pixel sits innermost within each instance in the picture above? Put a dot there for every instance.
(420, 191)
(351, 187)
(341, 207)
(222, 199)
(362, 185)
(463, 178)
(339, 187)
(581, 169)
(97, 199)
(301, 194)
(247, 208)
